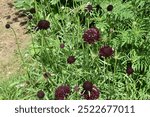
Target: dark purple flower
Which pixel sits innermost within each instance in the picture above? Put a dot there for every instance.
(91, 35)
(89, 8)
(129, 70)
(71, 59)
(7, 26)
(91, 95)
(62, 92)
(110, 7)
(62, 45)
(40, 94)
(87, 85)
(105, 51)
(43, 25)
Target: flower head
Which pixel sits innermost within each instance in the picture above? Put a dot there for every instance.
(110, 7)
(87, 86)
(106, 51)
(40, 94)
(62, 92)
(92, 95)
(90, 92)
(91, 35)
(62, 45)
(129, 70)
(71, 59)
(7, 26)
(43, 25)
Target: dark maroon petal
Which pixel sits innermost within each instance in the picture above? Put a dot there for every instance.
(91, 35)
(71, 59)
(43, 25)
(62, 92)
(87, 86)
(129, 70)
(106, 51)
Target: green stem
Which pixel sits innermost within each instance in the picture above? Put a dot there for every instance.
(17, 43)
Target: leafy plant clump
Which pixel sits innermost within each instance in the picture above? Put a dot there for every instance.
(86, 49)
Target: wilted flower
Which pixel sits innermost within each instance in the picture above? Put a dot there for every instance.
(89, 8)
(62, 92)
(43, 25)
(91, 35)
(129, 70)
(71, 59)
(106, 51)
(90, 92)
(110, 7)
(7, 26)
(40, 94)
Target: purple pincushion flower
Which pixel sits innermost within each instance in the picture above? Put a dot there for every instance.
(43, 25)
(91, 35)
(106, 51)
(87, 86)
(40, 94)
(90, 92)
(71, 59)
(129, 70)
(62, 92)
(93, 94)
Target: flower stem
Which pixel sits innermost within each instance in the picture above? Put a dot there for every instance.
(20, 54)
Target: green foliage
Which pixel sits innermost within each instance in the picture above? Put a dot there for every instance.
(126, 29)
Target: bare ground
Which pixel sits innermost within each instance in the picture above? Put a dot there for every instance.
(9, 60)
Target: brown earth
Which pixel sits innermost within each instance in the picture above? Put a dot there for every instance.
(9, 60)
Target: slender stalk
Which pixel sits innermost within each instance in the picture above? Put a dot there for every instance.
(18, 48)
